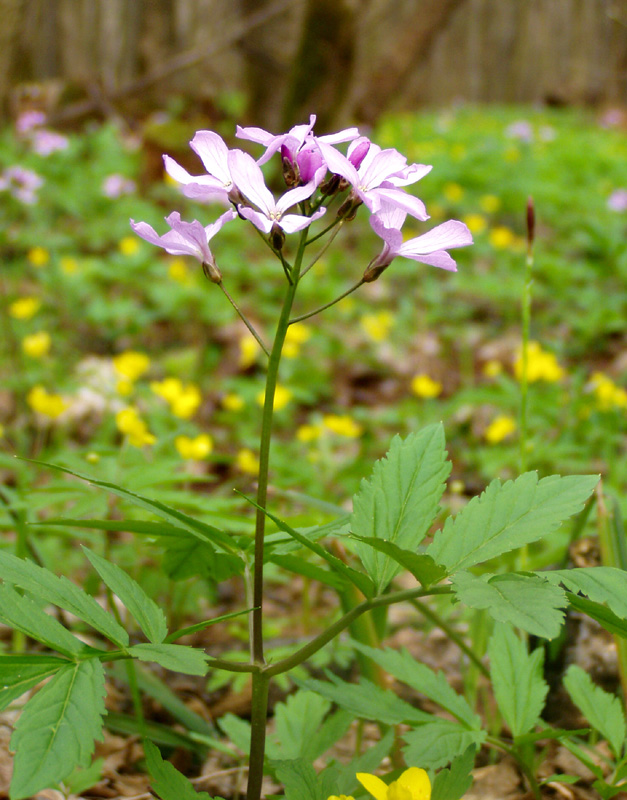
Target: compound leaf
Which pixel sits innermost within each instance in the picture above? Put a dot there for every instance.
(176, 657)
(57, 728)
(600, 584)
(20, 673)
(508, 516)
(400, 500)
(438, 742)
(167, 782)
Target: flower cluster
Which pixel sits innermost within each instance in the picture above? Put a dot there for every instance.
(317, 174)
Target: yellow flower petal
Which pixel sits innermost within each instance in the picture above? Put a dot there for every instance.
(37, 345)
(424, 386)
(374, 785)
(24, 307)
(417, 782)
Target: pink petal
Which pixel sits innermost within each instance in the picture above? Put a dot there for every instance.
(339, 164)
(449, 234)
(258, 219)
(410, 174)
(295, 222)
(213, 153)
(248, 178)
(400, 199)
(294, 196)
(384, 164)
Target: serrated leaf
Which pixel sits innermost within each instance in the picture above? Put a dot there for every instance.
(237, 730)
(438, 742)
(20, 673)
(602, 709)
(185, 556)
(434, 685)
(142, 527)
(420, 565)
(600, 613)
(199, 626)
(200, 529)
(368, 761)
(526, 601)
(176, 657)
(20, 612)
(82, 779)
(58, 727)
(508, 516)
(167, 782)
(299, 779)
(61, 592)
(601, 584)
(146, 612)
(517, 680)
(453, 783)
(297, 720)
(400, 501)
(367, 700)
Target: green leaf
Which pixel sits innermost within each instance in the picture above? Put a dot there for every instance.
(82, 779)
(167, 782)
(367, 700)
(167, 735)
(299, 566)
(20, 612)
(369, 761)
(147, 613)
(61, 592)
(176, 657)
(453, 783)
(438, 742)
(508, 516)
(199, 626)
(145, 528)
(517, 680)
(602, 709)
(20, 673)
(299, 779)
(601, 584)
(185, 556)
(434, 685)
(421, 566)
(600, 613)
(57, 728)
(361, 581)
(400, 501)
(526, 601)
(199, 529)
(297, 720)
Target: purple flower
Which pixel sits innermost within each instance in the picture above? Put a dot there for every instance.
(29, 120)
(186, 238)
(44, 142)
(214, 187)
(248, 178)
(116, 185)
(21, 183)
(378, 177)
(429, 248)
(617, 201)
(520, 130)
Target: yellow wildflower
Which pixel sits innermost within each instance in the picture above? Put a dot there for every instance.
(453, 192)
(282, 397)
(24, 307)
(413, 784)
(247, 462)
(38, 256)
(194, 449)
(377, 326)
(500, 428)
(233, 402)
(169, 388)
(131, 364)
(492, 368)
(133, 427)
(125, 387)
(342, 425)
(178, 271)
(248, 350)
(308, 433)
(47, 404)
(541, 366)
(296, 335)
(424, 386)
(340, 797)
(129, 245)
(68, 265)
(476, 223)
(502, 237)
(607, 393)
(489, 203)
(183, 399)
(37, 345)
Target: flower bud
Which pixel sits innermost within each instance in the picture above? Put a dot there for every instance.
(290, 169)
(378, 265)
(330, 186)
(277, 237)
(348, 210)
(212, 272)
(359, 152)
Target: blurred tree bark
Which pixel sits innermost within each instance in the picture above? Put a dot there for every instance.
(10, 11)
(323, 67)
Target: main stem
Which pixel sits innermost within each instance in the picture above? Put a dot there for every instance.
(259, 709)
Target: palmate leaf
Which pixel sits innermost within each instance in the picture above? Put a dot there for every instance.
(57, 728)
(147, 613)
(434, 685)
(297, 721)
(167, 782)
(526, 601)
(20, 673)
(508, 516)
(400, 501)
(61, 592)
(177, 518)
(517, 680)
(20, 612)
(176, 657)
(299, 779)
(438, 742)
(602, 709)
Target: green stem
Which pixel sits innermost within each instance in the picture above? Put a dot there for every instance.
(524, 371)
(324, 249)
(244, 319)
(328, 305)
(260, 681)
